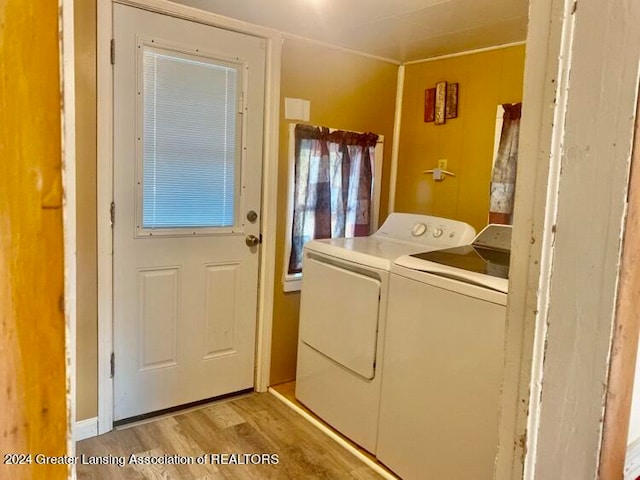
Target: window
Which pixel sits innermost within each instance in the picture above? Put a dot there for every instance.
(333, 189)
(190, 142)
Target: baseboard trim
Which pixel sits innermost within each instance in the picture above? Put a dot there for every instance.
(632, 461)
(336, 438)
(85, 429)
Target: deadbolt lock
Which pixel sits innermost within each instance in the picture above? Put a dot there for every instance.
(252, 216)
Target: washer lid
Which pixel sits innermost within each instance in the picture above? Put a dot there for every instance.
(472, 264)
(471, 258)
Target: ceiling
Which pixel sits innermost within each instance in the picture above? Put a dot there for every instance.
(400, 30)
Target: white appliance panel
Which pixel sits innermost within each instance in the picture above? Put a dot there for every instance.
(437, 232)
(344, 399)
(342, 316)
(495, 236)
(401, 234)
(344, 326)
(442, 372)
(369, 251)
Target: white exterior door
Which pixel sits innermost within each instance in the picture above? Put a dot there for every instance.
(188, 126)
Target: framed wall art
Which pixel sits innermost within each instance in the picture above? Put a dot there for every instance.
(429, 104)
(451, 108)
(441, 103)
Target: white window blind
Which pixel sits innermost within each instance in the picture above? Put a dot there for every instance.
(190, 141)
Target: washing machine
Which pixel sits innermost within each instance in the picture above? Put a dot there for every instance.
(342, 318)
(443, 360)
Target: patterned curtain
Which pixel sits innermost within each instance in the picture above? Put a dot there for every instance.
(333, 183)
(503, 179)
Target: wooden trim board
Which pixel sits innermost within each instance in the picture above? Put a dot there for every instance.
(67, 75)
(85, 429)
(567, 235)
(624, 347)
(33, 371)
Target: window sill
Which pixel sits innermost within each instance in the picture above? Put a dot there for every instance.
(292, 283)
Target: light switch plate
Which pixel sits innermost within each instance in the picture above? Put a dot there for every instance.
(296, 109)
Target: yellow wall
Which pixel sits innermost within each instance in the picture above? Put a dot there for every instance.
(485, 80)
(33, 410)
(350, 92)
(87, 306)
(346, 91)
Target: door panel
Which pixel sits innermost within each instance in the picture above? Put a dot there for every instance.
(221, 288)
(158, 306)
(188, 125)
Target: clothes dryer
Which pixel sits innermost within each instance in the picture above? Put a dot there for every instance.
(342, 317)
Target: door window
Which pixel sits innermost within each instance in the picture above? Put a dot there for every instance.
(190, 152)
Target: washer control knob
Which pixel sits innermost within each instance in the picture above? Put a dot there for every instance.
(437, 233)
(418, 229)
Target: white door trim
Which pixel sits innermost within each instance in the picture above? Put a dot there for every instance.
(575, 150)
(105, 188)
(104, 199)
(84, 429)
(68, 118)
(395, 142)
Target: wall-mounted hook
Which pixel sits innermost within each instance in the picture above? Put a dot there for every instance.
(439, 174)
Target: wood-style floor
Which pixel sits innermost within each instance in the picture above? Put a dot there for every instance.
(288, 390)
(254, 424)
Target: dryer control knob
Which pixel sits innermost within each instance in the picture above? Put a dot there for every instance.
(437, 233)
(418, 229)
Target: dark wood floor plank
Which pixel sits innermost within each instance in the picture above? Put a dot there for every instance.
(234, 430)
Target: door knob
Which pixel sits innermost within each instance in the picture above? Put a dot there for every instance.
(252, 241)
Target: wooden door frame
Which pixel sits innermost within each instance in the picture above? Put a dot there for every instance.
(67, 62)
(550, 50)
(624, 346)
(37, 243)
(105, 187)
(573, 174)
